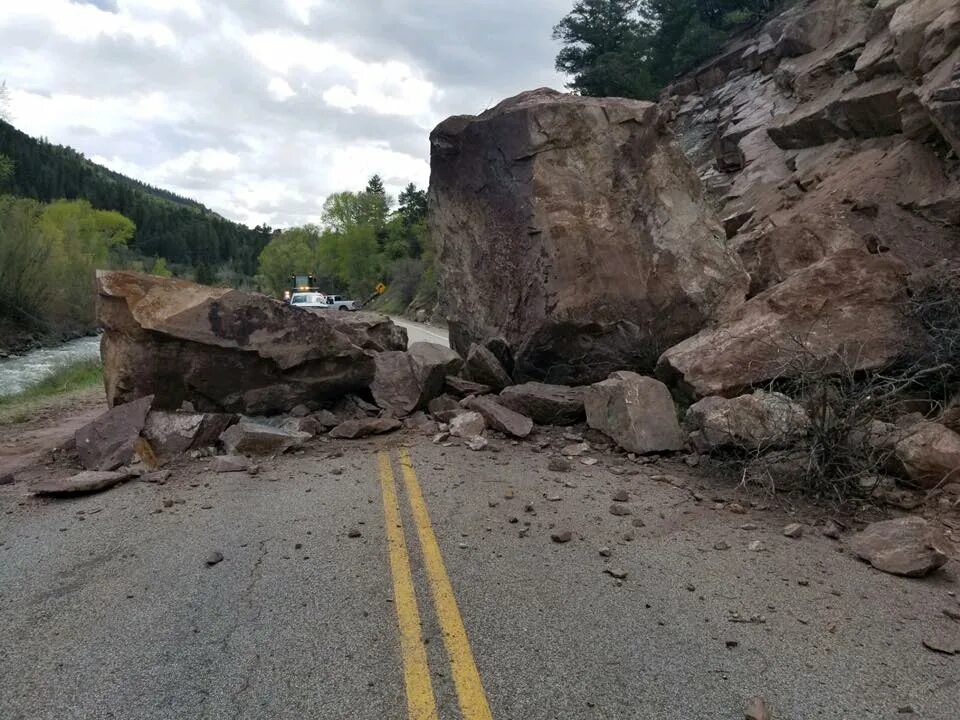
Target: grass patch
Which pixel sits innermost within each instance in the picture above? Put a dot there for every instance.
(67, 378)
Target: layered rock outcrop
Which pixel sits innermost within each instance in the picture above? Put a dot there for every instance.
(572, 231)
(226, 350)
(831, 127)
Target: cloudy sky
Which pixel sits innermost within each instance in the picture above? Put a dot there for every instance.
(261, 108)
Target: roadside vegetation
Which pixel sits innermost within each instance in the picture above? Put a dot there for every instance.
(69, 378)
(365, 238)
(634, 48)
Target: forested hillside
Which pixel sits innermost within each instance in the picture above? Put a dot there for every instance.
(167, 225)
(634, 48)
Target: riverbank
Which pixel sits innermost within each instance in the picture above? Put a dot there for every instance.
(63, 380)
(18, 338)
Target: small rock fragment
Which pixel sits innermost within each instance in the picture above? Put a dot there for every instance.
(793, 530)
(354, 533)
(756, 709)
(562, 536)
(576, 450)
(756, 546)
(617, 573)
(620, 510)
(941, 644)
(477, 443)
(558, 464)
(605, 552)
(214, 557)
(831, 530)
(621, 496)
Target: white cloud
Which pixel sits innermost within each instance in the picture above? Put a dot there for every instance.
(280, 89)
(261, 109)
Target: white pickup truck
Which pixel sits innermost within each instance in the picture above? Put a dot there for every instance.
(319, 301)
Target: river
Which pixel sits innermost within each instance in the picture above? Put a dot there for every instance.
(20, 372)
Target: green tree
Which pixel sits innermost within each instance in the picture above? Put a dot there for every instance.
(288, 253)
(633, 48)
(159, 268)
(605, 48)
(6, 164)
(48, 255)
(412, 204)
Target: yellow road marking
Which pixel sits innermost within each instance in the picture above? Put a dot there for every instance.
(421, 704)
(466, 677)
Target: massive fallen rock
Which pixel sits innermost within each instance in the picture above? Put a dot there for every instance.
(226, 350)
(907, 546)
(760, 421)
(846, 311)
(109, 441)
(545, 404)
(635, 412)
(575, 230)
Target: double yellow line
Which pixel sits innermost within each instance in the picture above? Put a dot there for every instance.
(421, 701)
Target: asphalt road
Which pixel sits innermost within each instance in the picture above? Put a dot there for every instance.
(419, 332)
(108, 609)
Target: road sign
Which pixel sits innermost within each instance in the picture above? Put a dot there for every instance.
(381, 288)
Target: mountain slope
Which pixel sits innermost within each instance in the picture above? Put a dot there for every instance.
(179, 229)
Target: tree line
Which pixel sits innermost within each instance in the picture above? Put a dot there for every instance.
(364, 238)
(180, 230)
(634, 48)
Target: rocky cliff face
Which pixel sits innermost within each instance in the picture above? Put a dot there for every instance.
(836, 125)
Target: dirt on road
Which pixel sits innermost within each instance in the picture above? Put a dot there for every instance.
(29, 432)
(599, 588)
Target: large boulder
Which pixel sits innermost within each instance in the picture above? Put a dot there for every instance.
(907, 546)
(930, 454)
(250, 438)
(844, 312)
(361, 428)
(545, 404)
(395, 387)
(370, 330)
(484, 367)
(499, 417)
(226, 350)
(573, 229)
(760, 421)
(173, 433)
(407, 381)
(110, 441)
(636, 412)
(431, 365)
